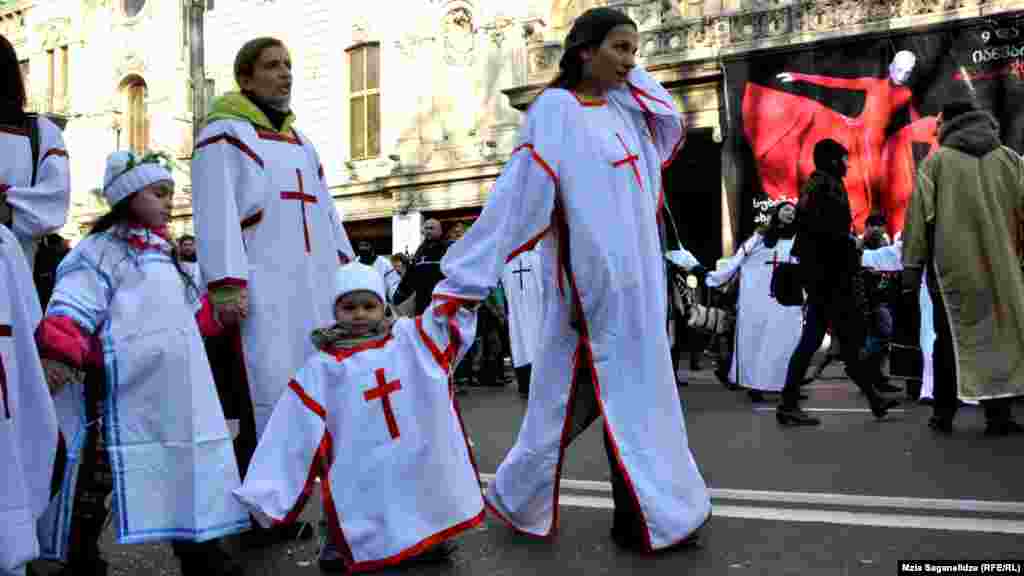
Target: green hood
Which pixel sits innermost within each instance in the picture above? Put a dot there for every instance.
(236, 106)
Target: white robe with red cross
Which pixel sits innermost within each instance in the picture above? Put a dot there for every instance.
(264, 220)
(589, 177)
(28, 423)
(43, 208)
(766, 332)
(379, 425)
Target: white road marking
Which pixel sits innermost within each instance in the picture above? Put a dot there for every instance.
(819, 499)
(835, 410)
(944, 523)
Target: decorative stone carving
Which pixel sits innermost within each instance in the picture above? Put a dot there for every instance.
(498, 29)
(459, 35)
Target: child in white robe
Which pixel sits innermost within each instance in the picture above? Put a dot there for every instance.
(124, 309)
(28, 424)
(373, 415)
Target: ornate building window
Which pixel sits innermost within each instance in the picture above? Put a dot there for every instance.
(133, 94)
(364, 100)
(132, 7)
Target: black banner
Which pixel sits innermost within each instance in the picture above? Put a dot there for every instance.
(877, 95)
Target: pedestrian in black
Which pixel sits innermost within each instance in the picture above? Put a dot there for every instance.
(829, 260)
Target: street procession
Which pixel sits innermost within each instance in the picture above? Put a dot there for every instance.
(469, 287)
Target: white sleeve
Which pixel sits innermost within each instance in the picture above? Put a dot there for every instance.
(666, 123)
(82, 292)
(519, 207)
(224, 169)
(292, 452)
(343, 244)
(438, 328)
(391, 277)
(885, 259)
(43, 208)
(726, 272)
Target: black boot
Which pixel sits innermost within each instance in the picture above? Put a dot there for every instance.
(794, 416)
(755, 395)
(205, 559)
(880, 406)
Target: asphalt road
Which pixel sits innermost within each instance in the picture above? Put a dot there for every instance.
(853, 496)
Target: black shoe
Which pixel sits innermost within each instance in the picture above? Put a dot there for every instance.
(723, 377)
(439, 553)
(795, 417)
(625, 542)
(1004, 428)
(755, 395)
(881, 407)
(886, 388)
(943, 426)
(206, 559)
(91, 567)
(926, 401)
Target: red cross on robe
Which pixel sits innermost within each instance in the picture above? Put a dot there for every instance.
(303, 199)
(630, 159)
(5, 332)
(383, 391)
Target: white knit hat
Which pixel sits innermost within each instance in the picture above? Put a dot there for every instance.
(126, 174)
(356, 276)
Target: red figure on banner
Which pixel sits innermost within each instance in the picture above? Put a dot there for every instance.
(783, 128)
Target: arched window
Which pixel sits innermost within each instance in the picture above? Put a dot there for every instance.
(133, 94)
(132, 7)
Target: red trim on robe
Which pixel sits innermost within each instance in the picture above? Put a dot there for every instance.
(537, 157)
(62, 339)
(585, 104)
(637, 91)
(315, 469)
(5, 332)
(340, 354)
(440, 357)
(14, 130)
(528, 245)
(234, 142)
(308, 401)
(419, 548)
(59, 152)
(265, 134)
(229, 281)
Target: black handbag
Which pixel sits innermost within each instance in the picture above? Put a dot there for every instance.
(787, 286)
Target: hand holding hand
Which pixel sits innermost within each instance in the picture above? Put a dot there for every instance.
(231, 313)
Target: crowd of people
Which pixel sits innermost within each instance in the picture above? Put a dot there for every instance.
(203, 384)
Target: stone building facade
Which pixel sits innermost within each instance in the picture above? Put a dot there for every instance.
(413, 105)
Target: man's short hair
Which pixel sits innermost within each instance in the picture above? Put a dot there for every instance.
(249, 54)
(185, 237)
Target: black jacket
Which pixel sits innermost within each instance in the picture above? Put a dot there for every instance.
(423, 274)
(827, 251)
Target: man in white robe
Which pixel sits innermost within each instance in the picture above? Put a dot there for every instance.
(269, 234)
(766, 331)
(588, 173)
(28, 423)
(525, 295)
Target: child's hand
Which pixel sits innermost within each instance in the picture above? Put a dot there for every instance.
(59, 375)
(233, 311)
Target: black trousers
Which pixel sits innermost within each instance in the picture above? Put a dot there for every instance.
(848, 326)
(627, 522)
(947, 400)
(523, 378)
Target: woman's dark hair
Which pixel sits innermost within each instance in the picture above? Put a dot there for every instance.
(122, 212)
(249, 54)
(588, 31)
(775, 228)
(12, 85)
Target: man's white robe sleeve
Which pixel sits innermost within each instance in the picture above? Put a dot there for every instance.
(224, 169)
(519, 207)
(293, 450)
(728, 270)
(43, 208)
(884, 259)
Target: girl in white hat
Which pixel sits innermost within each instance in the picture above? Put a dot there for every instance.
(124, 308)
(373, 415)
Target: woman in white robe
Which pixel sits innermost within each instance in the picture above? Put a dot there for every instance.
(766, 331)
(587, 173)
(28, 424)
